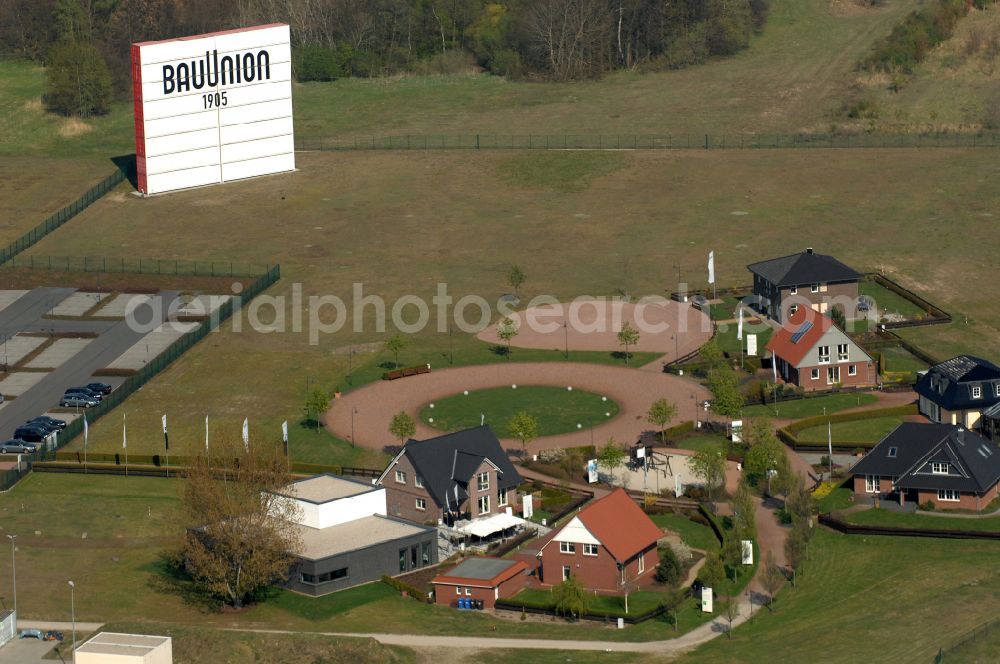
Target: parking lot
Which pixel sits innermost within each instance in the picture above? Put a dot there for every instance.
(26, 651)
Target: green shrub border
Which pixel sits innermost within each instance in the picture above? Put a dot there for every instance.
(789, 437)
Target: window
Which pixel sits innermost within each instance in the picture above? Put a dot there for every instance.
(814, 288)
(425, 553)
(402, 560)
(307, 578)
(892, 453)
(939, 468)
(413, 557)
(824, 354)
(502, 497)
(567, 547)
(418, 481)
(852, 370)
(483, 482)
(313, 579)
(421, 504)
(566, 572)
(590, 549)
(814, 374)
(793, 309)
(998, 389)
(400, 477)
(977, 392)
(842, 353)
(468, 591)
(458, 590)
(642, 563)
(794, 290)
(484, 504)
(871, 483)
(949, 495)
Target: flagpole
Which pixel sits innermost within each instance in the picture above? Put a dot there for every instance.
(208, 454)
(829, 438)
(125, 444)
(166, 444)
(86, 436)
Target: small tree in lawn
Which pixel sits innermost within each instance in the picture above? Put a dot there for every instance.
(627, 586)
(744, 512)
(771, 579)
(732, 551)
(672, 602)
(628, 336)
(611, 456)
(507, 330)
(661, 413)
(402, 426)
(670, 568)
(316, 403)
(570, 598)
(709, 465)
(727, 400)
(524, 427)
(713, 573)
(394, 345)
(712, 355)
(516, 278)
(731, 609)
(796, 547)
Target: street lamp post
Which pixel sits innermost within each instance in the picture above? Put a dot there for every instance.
(354, 412)
(72, 613)
(13, 567)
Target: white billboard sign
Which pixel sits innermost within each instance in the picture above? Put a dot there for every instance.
(751, 344)
(213, 108)
(527, 506)
(706, 600)
(747, 551)
(592, 476)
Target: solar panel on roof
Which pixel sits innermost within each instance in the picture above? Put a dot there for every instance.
(801, 332)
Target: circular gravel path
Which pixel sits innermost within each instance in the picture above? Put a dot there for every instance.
(594, 325)
(634, 391)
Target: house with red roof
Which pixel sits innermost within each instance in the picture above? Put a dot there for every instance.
(608, 543)
(483, 580)
(815, 354)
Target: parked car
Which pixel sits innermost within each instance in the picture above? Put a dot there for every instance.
(77, 401)
(51, 422)
(31, 434)
(40, 425)
(53, 635)
(84, 391)
(17, 446)
(32, 634)
(100, 388)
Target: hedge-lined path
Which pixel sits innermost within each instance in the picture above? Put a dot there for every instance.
(882, 400)
(374, 405)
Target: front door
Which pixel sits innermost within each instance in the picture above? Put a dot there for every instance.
(832, 375)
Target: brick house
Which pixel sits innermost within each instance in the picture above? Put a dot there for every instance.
(609, 542)
(958, 391)
(461, 475)
(939, 463)
(783, 285)
(815, 354)
(483, 579)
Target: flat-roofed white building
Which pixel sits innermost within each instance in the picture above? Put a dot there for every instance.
(115, 648)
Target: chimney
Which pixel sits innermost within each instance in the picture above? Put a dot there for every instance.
(960, 435)
(809, 250)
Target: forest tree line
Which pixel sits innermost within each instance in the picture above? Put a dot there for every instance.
(538, 39)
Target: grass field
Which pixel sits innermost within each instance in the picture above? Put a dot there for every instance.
(885, 588)
(695, 535)
(428, 214)
(557, 409)
(889, 302)
(889, 519)
(810, 407)
(898, 359)
(869, 430)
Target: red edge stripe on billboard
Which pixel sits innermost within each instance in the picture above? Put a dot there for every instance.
(140, 136)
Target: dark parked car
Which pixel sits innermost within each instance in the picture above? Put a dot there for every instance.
(50, 422)
(40, 425)
(84, 391)
(16, 446)
(77, 401)
(53, 635)
(31, 434)
(100, 388)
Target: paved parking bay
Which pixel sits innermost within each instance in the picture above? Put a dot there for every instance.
(26, 651)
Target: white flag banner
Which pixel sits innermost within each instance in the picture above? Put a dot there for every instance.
(284, 431)
(711, 267)
(774, 367)
(829, 440)
(739, 328)
(206, 433)
(86, 432)
(124, 434)
(246, 434)
(164, 424)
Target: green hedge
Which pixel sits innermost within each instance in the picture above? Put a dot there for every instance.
(788, 434)
(410, 590)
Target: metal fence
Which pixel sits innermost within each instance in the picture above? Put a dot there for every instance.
(62, 216)
(120, 265)
(160, 362)
(9, 478)
(971, 639)
(644, 141)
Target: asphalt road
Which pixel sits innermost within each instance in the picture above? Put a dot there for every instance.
(26, 315)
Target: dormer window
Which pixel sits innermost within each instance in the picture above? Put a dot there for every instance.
(892, 452)
(998, 389)
(939, 468)
(977, 392)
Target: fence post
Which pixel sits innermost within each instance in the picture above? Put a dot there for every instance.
(706, 141)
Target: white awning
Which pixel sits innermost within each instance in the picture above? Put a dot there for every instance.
(492, 524)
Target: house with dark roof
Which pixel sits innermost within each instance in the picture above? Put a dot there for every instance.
(460, 475)
(946, 465)
(958, 391)
(812, 352)
(608, 543)
(480, 579)
(783, 285)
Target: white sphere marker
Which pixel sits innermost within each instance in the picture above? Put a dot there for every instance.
(513, 387)
(604, 398)
(569, 388)
(430, 419)
(466, 393)
(432, 405)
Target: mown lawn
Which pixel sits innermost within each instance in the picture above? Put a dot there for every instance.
(898, 359)
(696, 535)
(809, 407)
(879, 517)
(859, 431)
(556, 409)
(888, 589)
(889, 302)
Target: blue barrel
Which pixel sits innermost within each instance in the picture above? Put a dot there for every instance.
(462, 603)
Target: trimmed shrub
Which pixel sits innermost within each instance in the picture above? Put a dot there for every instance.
(410, 590)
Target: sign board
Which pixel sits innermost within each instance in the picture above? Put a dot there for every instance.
(621, 623)
(706, 600)
(527, 508)
(678, 486)
(737, 430)
(212, 108)
(747, 552)
(751, 344)
(592, 471)
(640, 453)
